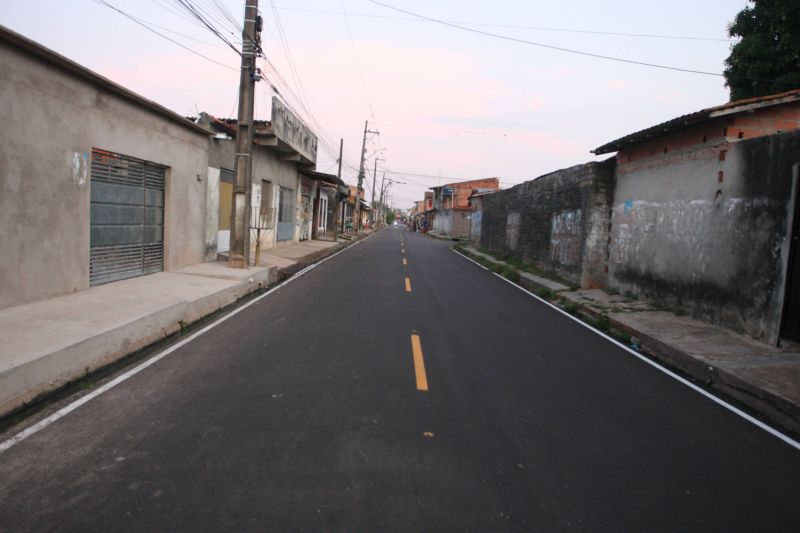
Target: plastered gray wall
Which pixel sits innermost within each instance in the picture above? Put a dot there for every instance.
(715, 250)
(267, 166)
(559, 221)
(52, 120)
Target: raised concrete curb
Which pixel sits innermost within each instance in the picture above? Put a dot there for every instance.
(54, 342)
(763, 377)
(51, 343)
(530, 281)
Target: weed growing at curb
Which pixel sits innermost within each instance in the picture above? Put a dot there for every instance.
(545, 293)
(511, 274)
(569, 307)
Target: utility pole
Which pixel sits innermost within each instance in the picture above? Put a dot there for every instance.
(374, 173)
(374, 176)
(340, 207)
(383, 182)
(385, 199)
(243, 164)
(361, 174)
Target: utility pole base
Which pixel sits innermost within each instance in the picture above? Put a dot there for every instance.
(236, 261)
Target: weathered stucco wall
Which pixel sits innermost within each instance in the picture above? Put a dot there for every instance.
(708, 233)
(54, 120)
(443, 221)
(268, 166)
(461, 224)
(559, 221)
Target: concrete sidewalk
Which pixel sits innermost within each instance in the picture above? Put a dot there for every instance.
(50, 343)
(766, 378)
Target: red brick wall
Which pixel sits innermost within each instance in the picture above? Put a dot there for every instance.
(709, 139)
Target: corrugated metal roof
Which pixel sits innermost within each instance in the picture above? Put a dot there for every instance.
(698, 117)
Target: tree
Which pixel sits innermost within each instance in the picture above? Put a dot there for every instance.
(766, 60)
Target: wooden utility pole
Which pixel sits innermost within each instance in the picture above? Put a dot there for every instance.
(243, 163)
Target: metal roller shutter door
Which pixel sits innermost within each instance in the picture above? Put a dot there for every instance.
(126, 218)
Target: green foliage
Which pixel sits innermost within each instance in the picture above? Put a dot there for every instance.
(767, 58)
(569, 307)
(511, 274)
(545, 293)
(390, 217)
(601, 322)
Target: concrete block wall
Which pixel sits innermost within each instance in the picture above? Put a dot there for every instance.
(706, 230)
(559, 221)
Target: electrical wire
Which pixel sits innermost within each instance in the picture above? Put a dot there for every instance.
(548, 46)
(123, 13)
(522, 27)
(358, 61)
(195, 11)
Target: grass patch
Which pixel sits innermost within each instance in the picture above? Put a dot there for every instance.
(569, 307)
(601, 323)
(511, 273)
(545, 293)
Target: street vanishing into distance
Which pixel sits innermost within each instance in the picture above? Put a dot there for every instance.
(398, 386)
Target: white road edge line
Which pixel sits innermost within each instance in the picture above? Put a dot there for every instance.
(64, 411)
(774, 432)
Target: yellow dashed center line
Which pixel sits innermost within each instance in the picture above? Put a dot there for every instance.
(404, 261)
(419, 363)
(408, 284)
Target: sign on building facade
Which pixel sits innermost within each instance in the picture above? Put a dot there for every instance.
(292, 131)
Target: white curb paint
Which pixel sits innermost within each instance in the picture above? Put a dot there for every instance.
(785, 438)
(64, 411)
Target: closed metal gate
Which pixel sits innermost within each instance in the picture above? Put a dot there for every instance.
(285, 214)
(126, 218)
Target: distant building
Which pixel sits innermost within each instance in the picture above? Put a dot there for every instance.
(451, 212)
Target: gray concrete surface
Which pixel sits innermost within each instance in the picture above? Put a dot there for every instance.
(49, 343)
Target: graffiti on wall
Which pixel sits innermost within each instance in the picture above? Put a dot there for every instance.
(80, 168)
(477, 216)
(689, 239)
(512, 230)
(565, 237)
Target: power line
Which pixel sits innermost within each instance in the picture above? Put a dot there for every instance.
(194, 11)
(358, 61)
(164, 36)
(548, 46)
(522, 27)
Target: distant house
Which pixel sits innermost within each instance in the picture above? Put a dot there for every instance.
(97, 183)
(451, 211)
(705, 215)
(355, 198)
(476, 205)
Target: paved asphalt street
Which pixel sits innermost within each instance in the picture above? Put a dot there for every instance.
(308, 411)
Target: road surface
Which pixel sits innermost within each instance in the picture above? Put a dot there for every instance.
(399, 386)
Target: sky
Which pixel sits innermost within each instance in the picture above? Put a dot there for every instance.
(450, 102)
